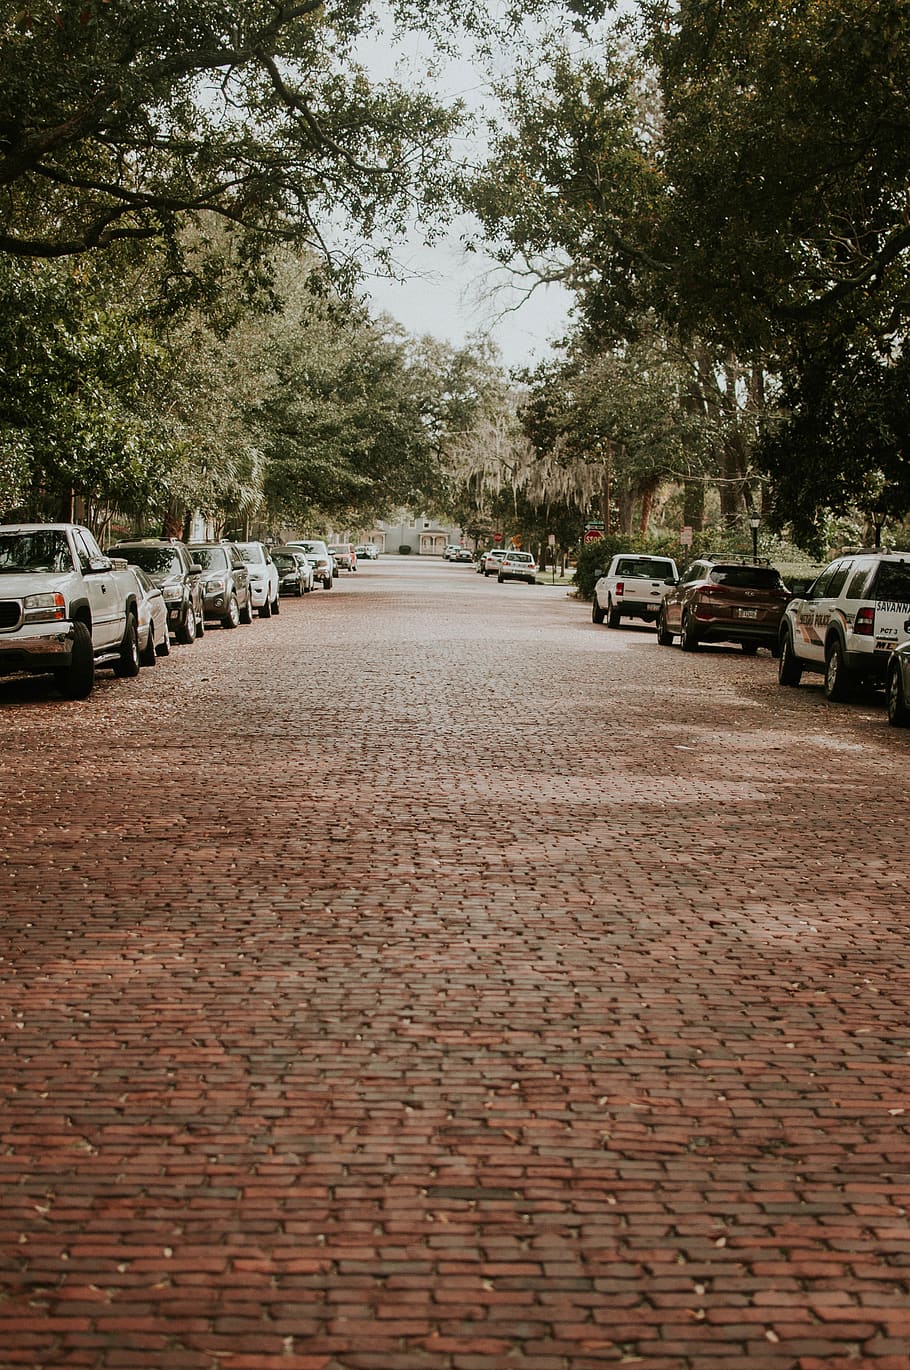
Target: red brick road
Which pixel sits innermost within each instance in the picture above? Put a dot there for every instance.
(428, 979)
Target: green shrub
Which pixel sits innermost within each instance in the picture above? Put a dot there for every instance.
(403, 549)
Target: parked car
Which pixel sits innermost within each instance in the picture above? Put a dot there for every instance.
(154, 635)
(722, 599)
(263, 575)
(320, 557)
(463, 554)
(367, 551)
(295, 571)
(168, 564)
(848, 623)
(65, 607)
(226, 592)
(632, 586)
(450, 550)
(344, 555)
(517, 566)
(489, 562)
(897, 686)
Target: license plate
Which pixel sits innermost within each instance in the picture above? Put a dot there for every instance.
(747, 613)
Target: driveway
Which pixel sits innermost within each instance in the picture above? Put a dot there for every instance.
(539, 1000)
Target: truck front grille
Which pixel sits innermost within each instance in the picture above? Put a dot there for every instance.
(10, 613)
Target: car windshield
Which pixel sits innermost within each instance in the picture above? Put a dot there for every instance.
(314, 548)
(252, 553)
(284, 561)
(210, 558)
(520, 556)
(746, 577)
(893, 581)
(645, 567)
(45, 550)
(158, 561)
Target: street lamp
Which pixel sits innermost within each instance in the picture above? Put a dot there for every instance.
(754, 521)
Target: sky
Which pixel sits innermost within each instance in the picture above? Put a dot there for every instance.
(448, 292)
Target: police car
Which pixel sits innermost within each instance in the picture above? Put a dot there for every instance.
(848, 623)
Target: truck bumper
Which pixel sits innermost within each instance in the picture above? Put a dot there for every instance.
(34, 648)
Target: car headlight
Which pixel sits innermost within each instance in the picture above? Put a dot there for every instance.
(216, 583)
(44, 608)
(172, 591)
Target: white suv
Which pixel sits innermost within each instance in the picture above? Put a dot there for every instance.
(848, 623)
(633, 586)
(489, 562)
(263, 577)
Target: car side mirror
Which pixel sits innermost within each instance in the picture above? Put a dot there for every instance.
(195, 569)
(671, 581)
(98, 565)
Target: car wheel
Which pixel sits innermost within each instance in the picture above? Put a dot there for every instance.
(265, 608)
(838, 683)
(597, 614)
(200, 623)
(688, 638)
(276, 607)
(614, 617)
(246, 613)
(148, 656)
(327, 583)
(75, 681)
(789, 671)
(232, 617)
(127, 665)
(749, 648)
(164, 646)
(898, 709)
(299, 591)
(186, 628)
(664, 636)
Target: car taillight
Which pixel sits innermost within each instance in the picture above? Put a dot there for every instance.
(620, 588)
(713, 591)
(864, 623)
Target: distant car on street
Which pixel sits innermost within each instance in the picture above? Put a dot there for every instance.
(367, 551)
(169, 564)
(489, 562)
(295, 571)
(632, 586)
(344, 556)
(722, 599)
(517, 566)
(154, 636)
(320, 557)
(263, 575)
(226, 592)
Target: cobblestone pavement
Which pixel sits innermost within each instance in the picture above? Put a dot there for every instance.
(428, 979)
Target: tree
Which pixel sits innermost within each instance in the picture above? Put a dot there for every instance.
(786, 147)
(75, 417)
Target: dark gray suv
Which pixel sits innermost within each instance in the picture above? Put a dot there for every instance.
(226, 594)
(169, 565)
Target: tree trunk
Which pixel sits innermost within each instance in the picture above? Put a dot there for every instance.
(647, 501)
(173, 522)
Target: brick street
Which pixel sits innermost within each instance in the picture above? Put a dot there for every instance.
(429, 979)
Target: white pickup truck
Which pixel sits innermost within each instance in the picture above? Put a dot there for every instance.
(633, 586)
(65, 608)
